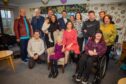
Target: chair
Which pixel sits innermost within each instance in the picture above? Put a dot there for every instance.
(60, 61)
(102, 66)
(57, 34)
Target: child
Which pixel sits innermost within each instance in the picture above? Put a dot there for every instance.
(45, 28)
(58, 53)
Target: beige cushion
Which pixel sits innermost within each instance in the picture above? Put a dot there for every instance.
(51, 50)
(61, 61)
(57, 34)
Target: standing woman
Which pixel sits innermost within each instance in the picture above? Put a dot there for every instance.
(72, 18)
(78, 26)
(53, 27)
(70, 41)
(109, 33)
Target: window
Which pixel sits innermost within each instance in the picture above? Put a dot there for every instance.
(7, 20)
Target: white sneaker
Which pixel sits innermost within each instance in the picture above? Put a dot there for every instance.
(50, 40)
(83, 82)
(78, 79)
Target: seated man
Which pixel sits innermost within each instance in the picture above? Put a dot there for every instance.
(35, 49)
(95, 47)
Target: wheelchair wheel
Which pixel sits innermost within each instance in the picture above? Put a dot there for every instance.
(103, 66)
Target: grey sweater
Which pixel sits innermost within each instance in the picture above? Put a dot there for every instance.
(35, 46)
(91, 27)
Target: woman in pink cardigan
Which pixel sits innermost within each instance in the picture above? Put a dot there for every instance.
(70, 41)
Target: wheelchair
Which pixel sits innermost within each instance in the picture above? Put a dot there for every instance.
(100, 67)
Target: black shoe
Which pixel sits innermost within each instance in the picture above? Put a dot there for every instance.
(74, 76)
(50, 75)
(25, 60)
(78, 78)
(39, 62)
(31, 63)
(84, 81)
(55, 74)
(96, 80)
(65, 65)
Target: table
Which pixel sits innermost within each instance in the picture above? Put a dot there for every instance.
(7, 54)
(122, 81)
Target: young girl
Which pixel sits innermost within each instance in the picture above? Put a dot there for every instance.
(58, 53)
(45, 27)
(95, 47)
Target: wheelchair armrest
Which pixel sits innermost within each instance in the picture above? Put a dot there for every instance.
(101, 57)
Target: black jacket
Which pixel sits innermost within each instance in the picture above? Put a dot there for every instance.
(62, 24)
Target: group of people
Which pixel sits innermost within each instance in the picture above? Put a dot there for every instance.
(60, 37)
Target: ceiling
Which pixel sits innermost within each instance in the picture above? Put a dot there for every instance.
(21, 2)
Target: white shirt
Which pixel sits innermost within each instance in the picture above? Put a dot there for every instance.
(45, 27)
(65, 20)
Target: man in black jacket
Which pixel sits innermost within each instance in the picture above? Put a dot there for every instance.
(90, 26)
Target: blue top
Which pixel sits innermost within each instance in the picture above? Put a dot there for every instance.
(37, 22)
(27, 30)
(62, 24)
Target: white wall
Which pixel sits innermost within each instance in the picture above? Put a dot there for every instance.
(58, 2)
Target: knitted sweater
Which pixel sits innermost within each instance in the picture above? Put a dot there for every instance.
(35, 46)
(109, 33)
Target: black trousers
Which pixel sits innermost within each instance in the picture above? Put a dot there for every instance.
(32, 62)
(54, 66)
(74, 57)
(107, 53)
(85, 65)
(80, 43)
(23, 47)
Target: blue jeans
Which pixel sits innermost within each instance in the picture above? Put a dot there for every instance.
(23, 47)
(86, 40)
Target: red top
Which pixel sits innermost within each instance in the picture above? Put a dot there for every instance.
(71, 37)
(19, 27)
